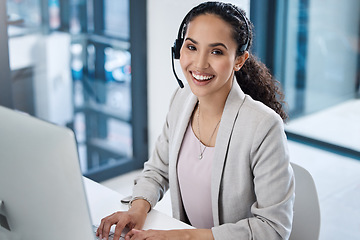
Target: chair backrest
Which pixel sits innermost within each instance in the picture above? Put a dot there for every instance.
(306, 224)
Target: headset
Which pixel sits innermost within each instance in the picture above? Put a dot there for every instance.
(175, 49)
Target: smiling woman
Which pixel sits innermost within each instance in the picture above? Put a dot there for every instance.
(222, 152)
(254, 77)
(208, 58)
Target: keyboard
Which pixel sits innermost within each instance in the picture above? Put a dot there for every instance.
(111, 235)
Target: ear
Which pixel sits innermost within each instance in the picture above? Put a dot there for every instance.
(240, 60)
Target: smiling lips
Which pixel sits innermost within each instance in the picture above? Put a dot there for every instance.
(202, 77)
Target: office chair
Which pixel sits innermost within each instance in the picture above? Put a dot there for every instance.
(306, 223)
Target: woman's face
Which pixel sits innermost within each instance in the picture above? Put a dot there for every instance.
(208, 56)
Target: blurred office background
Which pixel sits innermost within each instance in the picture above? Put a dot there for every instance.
(103, 68)
(81, 64)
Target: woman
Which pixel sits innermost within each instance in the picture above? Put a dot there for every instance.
(222, 151)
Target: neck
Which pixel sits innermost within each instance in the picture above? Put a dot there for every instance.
(211, 110)
(213, 106)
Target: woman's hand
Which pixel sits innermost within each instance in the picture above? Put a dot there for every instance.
(197, 234)
(134, 218)
(153, 234)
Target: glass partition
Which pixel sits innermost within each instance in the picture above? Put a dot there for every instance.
(317, 62)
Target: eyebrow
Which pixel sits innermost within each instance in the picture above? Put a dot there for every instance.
(211, 45)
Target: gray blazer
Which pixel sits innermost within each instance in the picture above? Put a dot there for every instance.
(252, 186)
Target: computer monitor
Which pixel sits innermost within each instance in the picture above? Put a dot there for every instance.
(42, 194)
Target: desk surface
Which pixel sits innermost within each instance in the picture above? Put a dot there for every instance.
(104, 201)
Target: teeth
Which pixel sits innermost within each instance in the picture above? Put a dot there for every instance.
(202, 77)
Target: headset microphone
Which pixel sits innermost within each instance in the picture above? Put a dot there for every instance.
(174, 55)
(175, 50)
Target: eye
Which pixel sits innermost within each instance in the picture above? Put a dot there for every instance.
(191, 47)
(217, 52)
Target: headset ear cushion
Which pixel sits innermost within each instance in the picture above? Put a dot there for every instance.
(177, 47)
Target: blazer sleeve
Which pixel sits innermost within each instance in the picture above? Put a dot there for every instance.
(153, 182)
(274, 187)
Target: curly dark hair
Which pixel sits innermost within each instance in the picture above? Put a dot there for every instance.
(254, 78)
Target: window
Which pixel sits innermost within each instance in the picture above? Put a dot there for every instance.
(81, 64)
(313, 50)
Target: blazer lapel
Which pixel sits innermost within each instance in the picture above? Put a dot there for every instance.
(178, 136)
(233, 103)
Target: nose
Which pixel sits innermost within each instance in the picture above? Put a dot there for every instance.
(201, 60)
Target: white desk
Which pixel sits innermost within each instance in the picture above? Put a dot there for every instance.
(104, 201)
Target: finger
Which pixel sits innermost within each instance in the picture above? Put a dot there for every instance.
(108, 222)
(98, 234)
(100, 228)
(131, 234)
(99, 231)
(120, 228)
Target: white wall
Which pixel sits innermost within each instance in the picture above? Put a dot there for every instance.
(164, 18)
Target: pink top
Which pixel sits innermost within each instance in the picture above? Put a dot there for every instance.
(195, 180)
